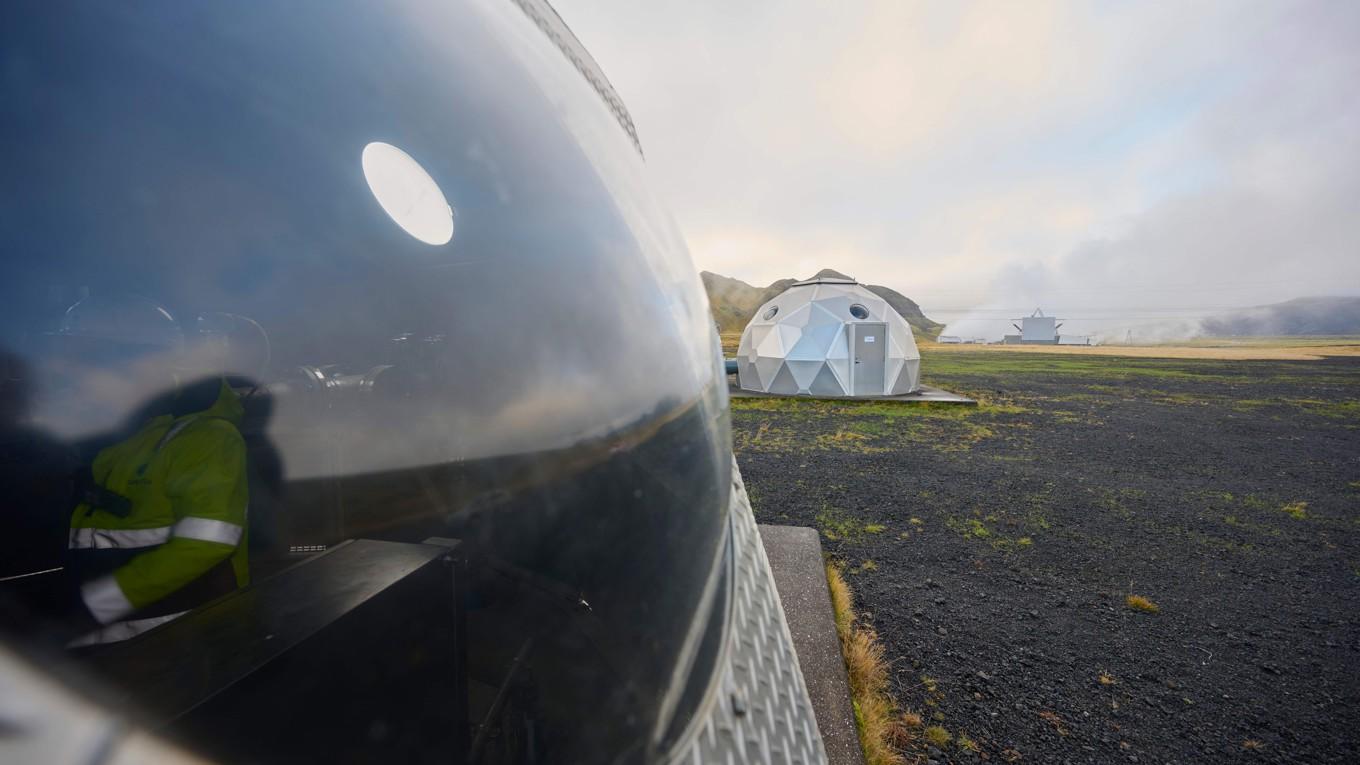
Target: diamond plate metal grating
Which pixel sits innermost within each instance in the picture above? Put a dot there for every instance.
(762, 712)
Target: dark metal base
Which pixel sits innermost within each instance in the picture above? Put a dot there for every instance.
(326, 661)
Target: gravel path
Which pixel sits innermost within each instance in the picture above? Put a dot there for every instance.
(993, 551)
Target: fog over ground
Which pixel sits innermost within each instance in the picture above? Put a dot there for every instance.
(1117, 164)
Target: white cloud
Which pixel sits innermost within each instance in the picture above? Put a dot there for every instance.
(1005, 153)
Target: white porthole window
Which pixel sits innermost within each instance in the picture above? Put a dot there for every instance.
(407, 193)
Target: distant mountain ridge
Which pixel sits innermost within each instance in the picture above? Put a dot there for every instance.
(734, 302)
(1300, 316)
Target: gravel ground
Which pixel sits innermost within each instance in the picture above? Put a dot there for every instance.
(994, 549)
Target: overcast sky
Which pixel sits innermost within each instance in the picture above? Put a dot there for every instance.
(1170, 156)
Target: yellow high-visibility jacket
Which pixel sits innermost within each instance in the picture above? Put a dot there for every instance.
(186, 481)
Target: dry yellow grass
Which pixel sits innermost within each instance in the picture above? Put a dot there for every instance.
(938, 736)
(1285, 351)
(1140, 603)
(883, 732)
(1297, 510)
(1053, 719)
(842, 603)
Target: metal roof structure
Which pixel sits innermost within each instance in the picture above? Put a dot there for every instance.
(824, 280)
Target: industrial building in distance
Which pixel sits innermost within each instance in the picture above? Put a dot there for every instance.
(1038, 329)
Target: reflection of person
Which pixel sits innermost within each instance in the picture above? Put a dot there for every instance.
(162, 529)
(159, 523)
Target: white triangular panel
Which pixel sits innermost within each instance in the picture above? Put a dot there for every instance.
(798, 317)
(752, 338)
(788, 336)
(910, 379)
(824, 315)
(815, 342)
(804, 372)
(832, 291)
(840, 345)
(838, 307)
(749, 376)
(895, 349)
(891, 370)
(841, 368)
(772, 346)
(826, 383)
(876, 305)
(783, 382)
(767, 368)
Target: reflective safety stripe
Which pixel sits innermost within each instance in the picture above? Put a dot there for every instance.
(205, 529)
(123, 630)
(105, 599)
(174, 430)
(117, 539)
(209, 530)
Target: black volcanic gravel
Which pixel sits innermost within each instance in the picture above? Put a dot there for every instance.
(1076, 484)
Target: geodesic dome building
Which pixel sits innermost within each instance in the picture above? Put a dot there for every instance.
(828, 337)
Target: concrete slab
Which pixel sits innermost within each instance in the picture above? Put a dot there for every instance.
(926, 395)
(795, 554)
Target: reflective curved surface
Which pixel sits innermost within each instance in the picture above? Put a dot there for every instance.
(484, 331)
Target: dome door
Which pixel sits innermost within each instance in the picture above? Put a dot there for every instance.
(870, 344)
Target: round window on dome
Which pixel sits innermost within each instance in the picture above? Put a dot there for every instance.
(859, 312)
(774, 309)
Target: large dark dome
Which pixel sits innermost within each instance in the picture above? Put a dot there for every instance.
(416, 241)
